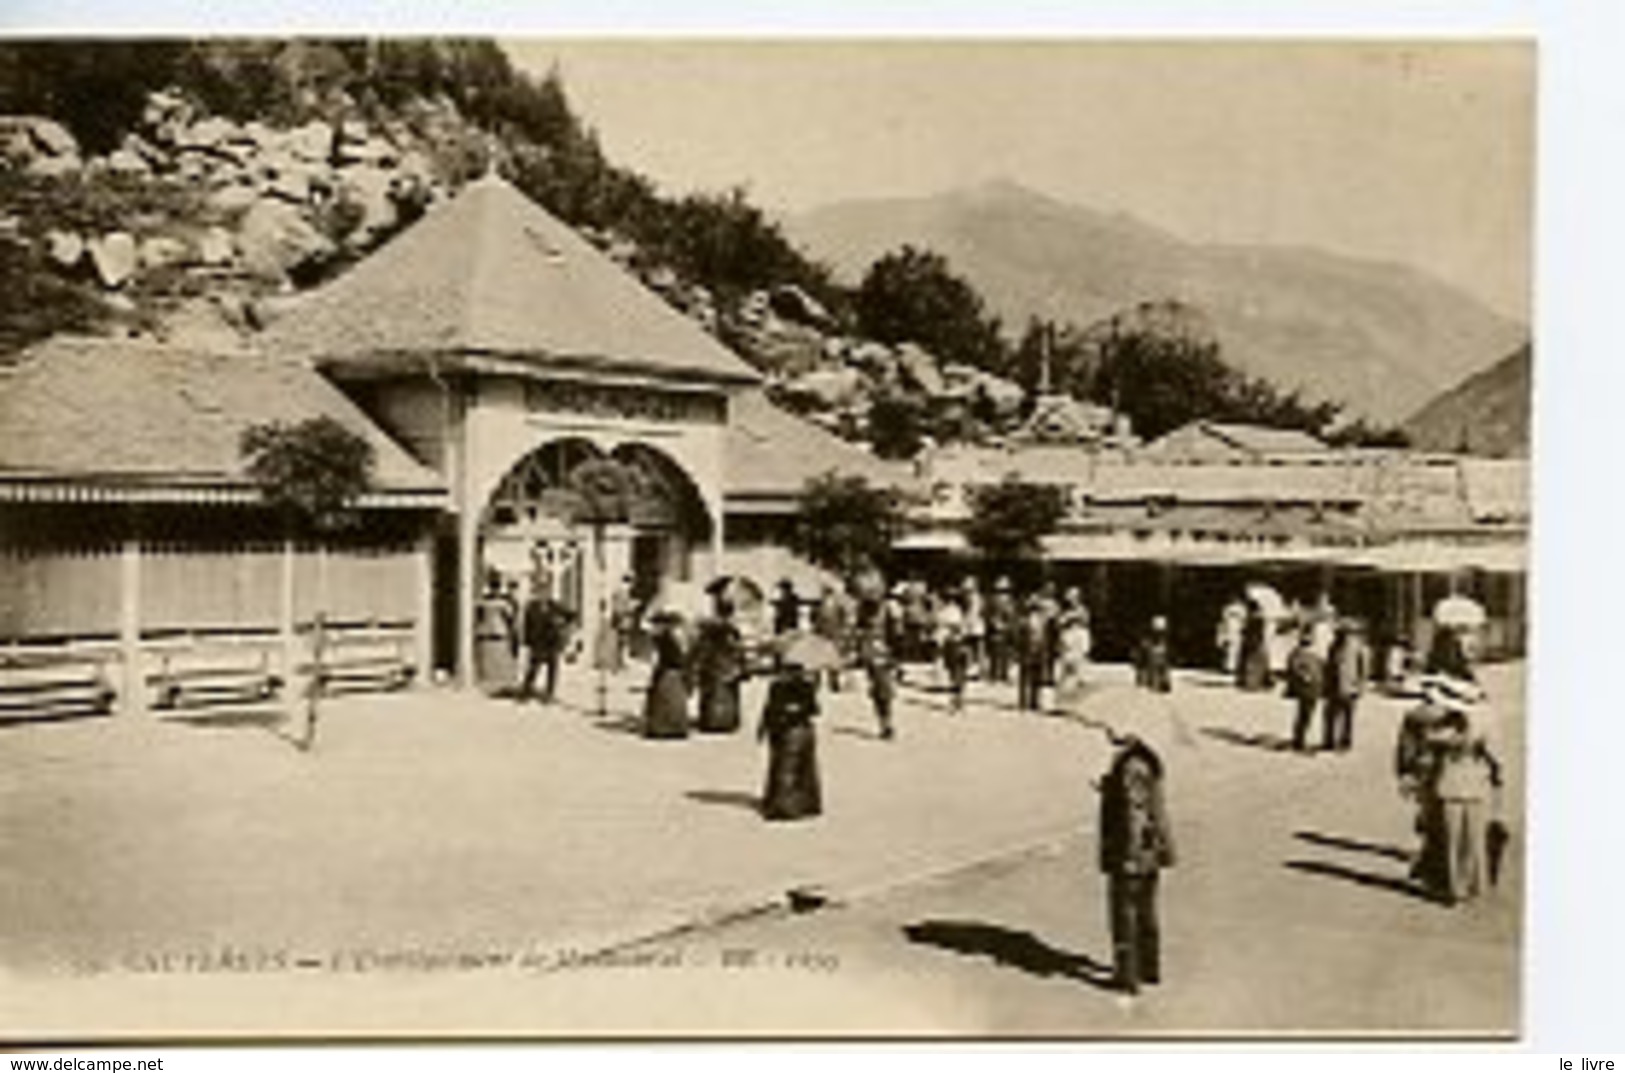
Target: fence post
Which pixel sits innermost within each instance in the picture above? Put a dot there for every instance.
(285, 618)
(132, 694)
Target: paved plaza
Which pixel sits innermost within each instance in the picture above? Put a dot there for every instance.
(454, 855)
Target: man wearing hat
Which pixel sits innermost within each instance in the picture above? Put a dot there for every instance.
(1136, 844)
(1348, 666)
(1001, 625)
(1467, 777)
(1426, 734)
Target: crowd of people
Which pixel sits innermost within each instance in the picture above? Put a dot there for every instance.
(1041, 644)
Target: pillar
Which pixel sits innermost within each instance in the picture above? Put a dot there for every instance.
(467, 583)
(287, 631)
(423, 581)
(461, 439)
(133, 686)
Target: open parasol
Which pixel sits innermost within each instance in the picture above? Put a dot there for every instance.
(809, 650)
(1268, 600)
(1123, 711)
(1460, 612)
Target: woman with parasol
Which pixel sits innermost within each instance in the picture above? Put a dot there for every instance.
(793, 790)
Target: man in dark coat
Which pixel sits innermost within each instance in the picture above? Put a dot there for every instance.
(875, 654)
(546, 629)
(786, 608)
(1136, 843)
(1348, 666)
(1000, 623)
(1032, 649)
(1305, 683)
(1152, 660)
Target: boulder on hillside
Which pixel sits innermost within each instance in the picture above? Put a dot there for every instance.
(233, 198)
(786, 349)
(312, 142)
(126, 162)
(276, 239)
(215, 247)
(32, 141)
(792, 303)
(826, 389)
(53, 167)
(66, 248)
(115, 257)
(52, 138)
(212, 134)
(372, 190)
(919, 370)
(161, 251)
(166, 115)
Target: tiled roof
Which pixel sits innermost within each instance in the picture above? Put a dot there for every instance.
(772, 453)
(492, 272)
(1208, 438)
(1496, 489)
(128, 410)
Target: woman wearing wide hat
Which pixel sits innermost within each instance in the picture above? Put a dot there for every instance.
(665, 707)
(793, 790)
(719, 668)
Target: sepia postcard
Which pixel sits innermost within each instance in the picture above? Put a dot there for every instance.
(938, 539)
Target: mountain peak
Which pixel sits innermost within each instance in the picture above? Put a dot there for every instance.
(1382, 339)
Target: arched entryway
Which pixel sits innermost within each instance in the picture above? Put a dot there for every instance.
(532, 530)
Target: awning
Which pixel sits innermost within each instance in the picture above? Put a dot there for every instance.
(1511, 557)
(58, 490)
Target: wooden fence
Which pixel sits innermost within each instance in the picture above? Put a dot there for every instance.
(153, 614)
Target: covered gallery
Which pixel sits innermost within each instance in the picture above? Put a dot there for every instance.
(133, 540)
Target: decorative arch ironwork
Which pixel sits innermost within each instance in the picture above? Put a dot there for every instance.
(539, 487)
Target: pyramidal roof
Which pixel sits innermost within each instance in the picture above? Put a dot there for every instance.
(493, 273)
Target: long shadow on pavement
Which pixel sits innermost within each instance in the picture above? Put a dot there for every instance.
(1018, 949)
(1315, 838)
(736, 798)
(1272, 742)
(1364, 879)
(275, 722)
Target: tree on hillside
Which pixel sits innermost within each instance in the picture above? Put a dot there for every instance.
(1161, 365)
(845, 525)
(898, 425)
(1009, 520)
(312, 473)
(911, 295)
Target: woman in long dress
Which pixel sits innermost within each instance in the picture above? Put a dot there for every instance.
(496, 639)
(792, 791)
(665, 707)
(1072, 662)
(719, 667)
(1253, 671)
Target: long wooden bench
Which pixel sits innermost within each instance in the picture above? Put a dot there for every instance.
(200, 673)
(47, 683)
(364, 660)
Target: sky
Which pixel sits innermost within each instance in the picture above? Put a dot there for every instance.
(1417, 152)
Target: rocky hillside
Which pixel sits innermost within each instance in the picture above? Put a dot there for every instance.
(1382, 338)
(1486, 414)
(184, 189)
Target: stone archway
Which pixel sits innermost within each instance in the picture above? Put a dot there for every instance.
(528, 530)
